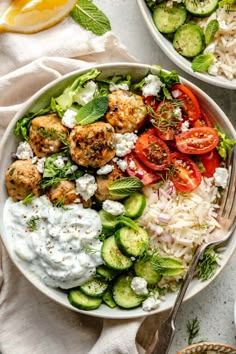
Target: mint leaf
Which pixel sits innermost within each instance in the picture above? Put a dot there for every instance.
(167, 266)
(90, 17)
(202, 62)
(92, 111)
(125, 186)
(210, 31)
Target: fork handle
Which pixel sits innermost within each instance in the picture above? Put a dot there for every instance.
(163, 340)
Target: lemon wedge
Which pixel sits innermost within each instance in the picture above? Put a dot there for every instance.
(30, 16)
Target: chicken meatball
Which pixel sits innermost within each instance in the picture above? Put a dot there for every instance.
(127, 111)
(92, 145)
(46, 135)
(103, 182)
(64, 193)
(22, 178)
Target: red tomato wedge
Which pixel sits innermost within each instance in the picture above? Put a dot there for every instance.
(203, 121)
(197, 140)
(190, 103)
(152, 151)
(151, 101)
(186, 176)
(135, 168)
(210, 161)
(166, 120)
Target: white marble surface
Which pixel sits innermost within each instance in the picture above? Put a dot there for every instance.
(214, 306)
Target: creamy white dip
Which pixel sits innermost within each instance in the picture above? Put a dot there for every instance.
(61, 245)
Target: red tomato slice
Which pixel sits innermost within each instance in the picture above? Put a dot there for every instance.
(186, 176)
(152, 151)
(203, 121)
(190, 103)
(210, 161)
(135, 168)
(166, 120)
(197, 141)
(151, 101)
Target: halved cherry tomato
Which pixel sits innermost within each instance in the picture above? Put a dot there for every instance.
(190, 103)
(210, 161)
(203, 121)
(197, 140)
(151, 101)
(152, 151)
(135, 168)
(166, 120)
(186, 176)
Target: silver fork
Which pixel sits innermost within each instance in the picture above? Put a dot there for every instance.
(158, 340)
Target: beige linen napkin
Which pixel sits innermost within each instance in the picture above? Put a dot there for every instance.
(29, 321)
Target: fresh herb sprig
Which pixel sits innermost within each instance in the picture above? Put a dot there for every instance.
(207, 265)
(28, 199)
(225, 145)
(32, 223)
(193, 329)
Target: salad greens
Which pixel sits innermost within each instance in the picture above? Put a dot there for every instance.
(90, 17)
(28, 199)
(210, 31)
(225, 145)
(202, 62)
(92, 111)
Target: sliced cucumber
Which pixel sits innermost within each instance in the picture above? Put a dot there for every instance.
(132, 242)
(135, 205)
(94, 287)
(189, 40)
(124, 295)
(108, 299)
(201, 8)
(144, 269)
(106, 273)
(113, 257)
(168, 19)
(108, 221)
(82, 301)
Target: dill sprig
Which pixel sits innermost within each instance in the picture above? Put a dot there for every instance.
(28, 199)
(193, 329)
(207, 265)
(32, 223)
(165, 118)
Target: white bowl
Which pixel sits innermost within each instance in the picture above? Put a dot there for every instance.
(8, 146)
(175, 57)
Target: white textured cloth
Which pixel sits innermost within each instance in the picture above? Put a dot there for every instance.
(29, 321)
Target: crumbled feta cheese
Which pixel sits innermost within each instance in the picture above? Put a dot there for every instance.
(104, 170)
(68, 119)
(122, 164)
(210, 48)
(124, 143)
(132, 165)
(86, 93)
(151, 303)
(86, 186)
(185, 126)
(59, 162)
(139, 286)
(178, 113)
(115, 87)
(72, 169)
(40, 164)
(214, 68)
(152, 85)
(113, 208)
(221, 177)
(24, 151)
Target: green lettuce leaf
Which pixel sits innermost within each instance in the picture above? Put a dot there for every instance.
(202, 62)
(225, 145)
(210, 31)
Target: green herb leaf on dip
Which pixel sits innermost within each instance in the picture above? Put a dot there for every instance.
(92, 111)
(210, 31)
(125, 186)
(90, 17)
(202, 62)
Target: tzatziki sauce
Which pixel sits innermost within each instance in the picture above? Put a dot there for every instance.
(60, 245)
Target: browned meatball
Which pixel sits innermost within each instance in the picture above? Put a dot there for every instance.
(127, 111)
(64, 193)
(92, 145)
(22, 178)
(46, 135)
(103, 182)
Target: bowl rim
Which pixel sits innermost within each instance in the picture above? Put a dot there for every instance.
(209, 346)
(8, 131)
(176, 58)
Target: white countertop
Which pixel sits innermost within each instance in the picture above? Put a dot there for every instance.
(214, 306)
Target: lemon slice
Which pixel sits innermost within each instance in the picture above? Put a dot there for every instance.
(30, 16)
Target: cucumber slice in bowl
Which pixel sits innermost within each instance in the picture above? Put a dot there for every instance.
(143, 268)
(189, 40)
(124, 295)
(168, 19)
(113, 257)
(135, 205)
(201, 8)
(132, 242)
(94, 287)
(78, 299)
(109, 222)
(108, 299)
(105, 273)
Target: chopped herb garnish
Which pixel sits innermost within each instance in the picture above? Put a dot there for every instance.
(207, 265)
(32, 223)
(193, 328)
(28, 199)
